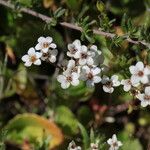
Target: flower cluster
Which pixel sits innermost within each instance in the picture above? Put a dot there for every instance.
(139, 78)
(112, 142)
(83, 65)
(45, 50)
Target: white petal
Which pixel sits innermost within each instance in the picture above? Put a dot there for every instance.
(49, 39)
(28, 64)
(109, 141)
(114, 137)
(114, 78)
(75, 82)
(144, 103)
(75, 75)
(116, 83)
(140, 65)
(90, 61)
(41, 39)
(70, 55)
(71, 64)
(147, 70)
(31, 51)
(38, 46)
(108, 90)
(96, 70)
(61, 78)
(147, 90)
(141, 97)
(119, 143)
(89, 83)
(83, 48)
(38, 55)
(96, 79)
(127, 87)
(93, 47)
(25, 58)
(105, 79)
(52, 45)
(144, 79)
(77, 43)
(77, 55)
(45, 50)
(52, 59)
(135, 79)
(82, 62)
(133, 69)
(37, 62)
(54, 52)
(65, 85)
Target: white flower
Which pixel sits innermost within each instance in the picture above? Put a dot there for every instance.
(110, 83)
(96, 55)
(72, 67)
(114, 143)
(139, 73)
(67, 79)
(73, 146)
(93, 146)
(90, 75)
(44, 44)
(32, 58)
(145, 97)
(127, 85)
(73, 48)
(84, 56)
(50, 55)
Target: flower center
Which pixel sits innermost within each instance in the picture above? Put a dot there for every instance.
(69, 78)
(45, 44)
(73, 50)
(45, 54)
(83, 56)
(109, 84)
(90, 76)
(115, 144)
(140, 73)
(33, 58)
(147, 97)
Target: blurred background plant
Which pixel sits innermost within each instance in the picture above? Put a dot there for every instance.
(35, 111)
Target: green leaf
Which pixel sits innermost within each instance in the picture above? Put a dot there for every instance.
(85, 136)
(59, 12)
(66, 119)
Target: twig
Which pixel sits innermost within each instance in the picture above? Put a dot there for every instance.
(69, 25)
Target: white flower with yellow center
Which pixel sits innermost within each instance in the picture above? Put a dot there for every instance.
(73, 146)
(139, 73)
(114, 143)
(44, 44)
(84, 56)
(32, 57)
(110, 83)
(127, 85)
(67, 79)
(90, 75)
(50, 55)
(73, 48)
(145, 97)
